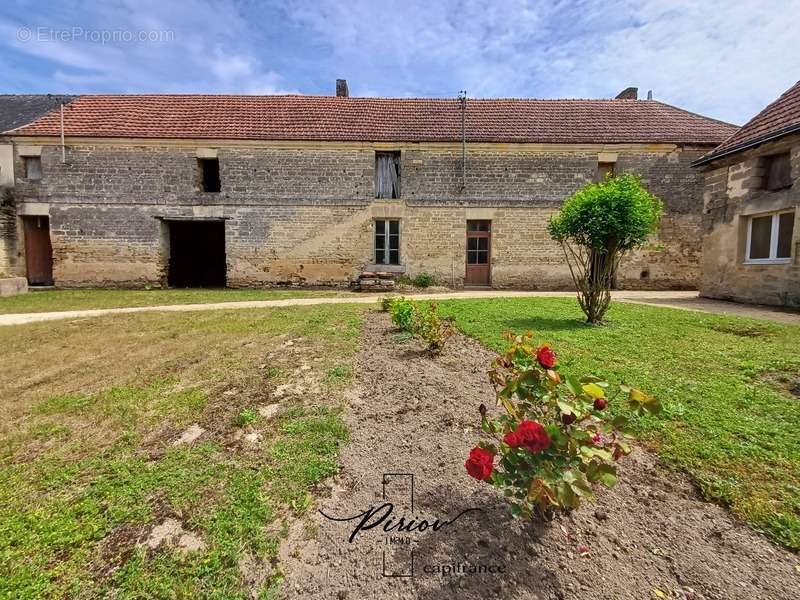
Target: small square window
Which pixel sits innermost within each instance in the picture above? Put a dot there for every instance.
(604, 171)
(387, 242)
(209, 174)
(777, 172)
(33, 167)
(769, 238)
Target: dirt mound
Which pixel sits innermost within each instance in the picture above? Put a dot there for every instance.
(650, 537)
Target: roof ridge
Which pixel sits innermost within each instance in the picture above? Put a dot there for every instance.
(303, 117)
(348, 98)
(694, 114)
(771, 121)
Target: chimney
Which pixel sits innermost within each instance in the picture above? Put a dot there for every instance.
(649, 94)
(630, 93)
(341, 88)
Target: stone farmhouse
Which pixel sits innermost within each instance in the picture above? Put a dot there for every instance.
(191, 190)
(16, 110)
(751, 229)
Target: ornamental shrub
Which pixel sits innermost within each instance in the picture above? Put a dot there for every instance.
(386, 303)
(403, 314)
(596, 227)
(556, 437)
(423, 280)
(432, 328)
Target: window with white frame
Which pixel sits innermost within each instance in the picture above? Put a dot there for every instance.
(769, 238)
(387, 241)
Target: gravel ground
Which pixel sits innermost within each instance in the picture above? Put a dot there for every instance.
(650, 537)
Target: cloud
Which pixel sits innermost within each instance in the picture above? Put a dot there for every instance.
(720, 58)
(725, 59)
(147, 46)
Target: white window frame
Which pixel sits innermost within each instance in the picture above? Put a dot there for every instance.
(773, 241)
(386, 244)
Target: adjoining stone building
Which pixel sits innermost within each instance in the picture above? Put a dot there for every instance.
(751, 222)
(266, 190)
(16, 110)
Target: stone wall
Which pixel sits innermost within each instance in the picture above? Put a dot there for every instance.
(303, 213)
(8, 232)
(734, 191)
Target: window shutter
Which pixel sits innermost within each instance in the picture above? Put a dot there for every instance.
(387, 174)
(779, 174)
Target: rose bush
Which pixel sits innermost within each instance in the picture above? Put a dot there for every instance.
(423, 321)
(555, 438)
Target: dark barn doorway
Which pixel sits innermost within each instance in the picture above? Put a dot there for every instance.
(196, 254)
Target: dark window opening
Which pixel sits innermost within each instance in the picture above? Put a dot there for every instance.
(604, 171)
(196, 254)
(209, 174)
(479, 225)
(760, 234)
(785, 231)
(387, 242)
(645, 274)
(33, 167)
(478, 250)
(387, 175)
(777, 172)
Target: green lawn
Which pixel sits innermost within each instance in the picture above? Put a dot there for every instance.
(88, 464)
(728, 419)
(85, 299)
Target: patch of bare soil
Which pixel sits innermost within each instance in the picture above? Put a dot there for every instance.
(787, 381)
(650, 537)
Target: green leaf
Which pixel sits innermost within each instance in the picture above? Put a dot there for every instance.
(619, 421)
(594, 390)
(573, 385)
(608, 480)
(488, 446)
(565, 407)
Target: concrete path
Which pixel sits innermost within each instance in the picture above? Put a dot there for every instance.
(674, 299)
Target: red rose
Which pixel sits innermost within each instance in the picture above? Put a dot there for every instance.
(530, 435)
(600, 403)
(513, 439)
(546, 357)
(479, 464)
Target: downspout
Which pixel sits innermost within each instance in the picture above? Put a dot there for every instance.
(63, 148)
(462, 96)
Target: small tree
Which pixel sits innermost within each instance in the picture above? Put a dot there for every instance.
(596, 226)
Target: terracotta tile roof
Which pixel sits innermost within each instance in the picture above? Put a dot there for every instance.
(780, 117)
(379, 119)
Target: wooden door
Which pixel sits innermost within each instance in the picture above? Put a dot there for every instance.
(38, 251)
(479, 253)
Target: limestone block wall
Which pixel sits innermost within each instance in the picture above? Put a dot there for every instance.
(734, 191)
(304, 213)
(8, 233)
